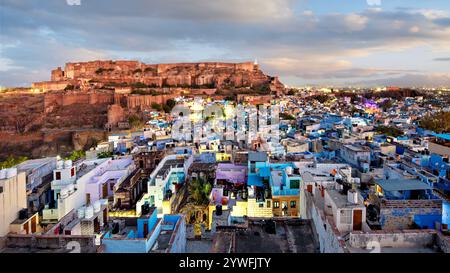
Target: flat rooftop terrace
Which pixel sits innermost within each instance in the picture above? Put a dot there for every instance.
(170, 163)
(291, 236)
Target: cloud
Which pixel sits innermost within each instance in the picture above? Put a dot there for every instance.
(412, 80)
(297, 44)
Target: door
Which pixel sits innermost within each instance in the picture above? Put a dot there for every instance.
(145, 229)
(33, 224)
(309, 188)
(96, 225)
(26, 228)
(357, 219)
(105, 190)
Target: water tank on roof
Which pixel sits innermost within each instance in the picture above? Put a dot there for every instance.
(2, 174)
(289, 170)
(64, 193)
(97, 206)
(11, 172)
(81, 212)
(219, 210)
(71, 188)
(89, 212)
(68, 164)
(60, 164)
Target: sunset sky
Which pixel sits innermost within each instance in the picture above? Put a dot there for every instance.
(365, 42)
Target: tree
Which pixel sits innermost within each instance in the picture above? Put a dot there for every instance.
(286, 116)
(104, 155)
(169, 105)
(136, 122)
(390, 131)
(12, 161)
(200, 190)
(291, 92)
(439, 122)
(156, 106)
(76, 155)
(321, 98)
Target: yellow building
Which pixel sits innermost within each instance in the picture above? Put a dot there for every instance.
(259, 209)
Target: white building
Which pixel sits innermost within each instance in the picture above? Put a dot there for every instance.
(13, 197)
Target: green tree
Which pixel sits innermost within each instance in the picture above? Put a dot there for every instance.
(156, 106)
(169, 105)
(390, 131)
(104, 155)
(439, 122)
(136, 122)
(286, 116)
(12, 161)
(76, 155)
(200, 190)
(291, 92)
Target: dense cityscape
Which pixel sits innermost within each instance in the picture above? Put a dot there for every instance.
(303, 170)
(336, 139)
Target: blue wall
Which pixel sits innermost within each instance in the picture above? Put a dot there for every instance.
(151, 221)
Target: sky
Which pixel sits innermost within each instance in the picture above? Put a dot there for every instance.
(304, 42)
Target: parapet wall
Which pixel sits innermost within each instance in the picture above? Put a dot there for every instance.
(147, 100)
(65, 99)
(64, 243)
(329, 237)
(401, 214)
(395, 239)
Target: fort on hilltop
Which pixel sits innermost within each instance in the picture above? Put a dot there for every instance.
(85, 100)
(215, 75)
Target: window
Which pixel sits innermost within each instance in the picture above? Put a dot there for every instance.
(111, 186)
(293, 204)
(295, 184)
(58, 176)
(346, 216)
(261, 205)
(276, 204)
(268, 203)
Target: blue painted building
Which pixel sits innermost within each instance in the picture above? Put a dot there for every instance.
(148, 234)
(407, 203)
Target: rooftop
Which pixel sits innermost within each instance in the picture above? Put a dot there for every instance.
(402, 185)
(341, 200)
(257, 156)
(290, 236)
(171, 163)
(34, 163)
